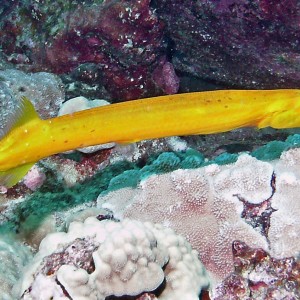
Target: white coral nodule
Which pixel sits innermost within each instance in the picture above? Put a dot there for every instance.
(114, 259)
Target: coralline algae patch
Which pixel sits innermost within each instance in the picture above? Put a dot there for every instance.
(127, 40)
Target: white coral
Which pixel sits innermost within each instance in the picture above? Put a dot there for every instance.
(130, 257)
(13, 257)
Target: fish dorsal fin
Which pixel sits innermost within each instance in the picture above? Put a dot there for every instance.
(13, 176)
(27, 112)
(24, 113)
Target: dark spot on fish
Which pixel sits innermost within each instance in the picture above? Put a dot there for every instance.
(226, 106)
(92, 131)
(65, 141)
(219, 100)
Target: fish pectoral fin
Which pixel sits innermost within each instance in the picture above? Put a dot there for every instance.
(13, 176)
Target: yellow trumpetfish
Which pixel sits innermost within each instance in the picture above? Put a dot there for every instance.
(31, 138)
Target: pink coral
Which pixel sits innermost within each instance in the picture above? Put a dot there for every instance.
(252, 201)
(200, 204)
(34, 178)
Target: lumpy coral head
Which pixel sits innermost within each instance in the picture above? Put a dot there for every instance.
(97, 259)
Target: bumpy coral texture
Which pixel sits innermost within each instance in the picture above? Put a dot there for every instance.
(97, 259)
(45, 90)
(252, 201)
(14, 256)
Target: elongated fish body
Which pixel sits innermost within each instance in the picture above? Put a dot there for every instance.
(183, 114)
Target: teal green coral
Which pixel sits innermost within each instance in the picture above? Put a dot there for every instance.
(274, 149)
(271, 150)
(123, 174)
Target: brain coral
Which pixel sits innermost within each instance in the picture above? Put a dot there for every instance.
(97, 259)
(253, 201)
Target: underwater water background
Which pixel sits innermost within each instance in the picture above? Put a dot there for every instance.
(67, 56)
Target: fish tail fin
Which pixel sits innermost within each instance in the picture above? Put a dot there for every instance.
(25, 112)
(12, 176)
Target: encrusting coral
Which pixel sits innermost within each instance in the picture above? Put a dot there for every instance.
(104, 257)
(250, 200)
(211, 205)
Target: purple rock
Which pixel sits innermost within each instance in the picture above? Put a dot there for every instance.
(249, 44)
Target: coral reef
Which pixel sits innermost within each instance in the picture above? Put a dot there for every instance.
(133, 49)
(123, 56)
(215, 205)
(240, 213)
(119, 42)
(250, 200)
(103, 257)
(257, 275)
